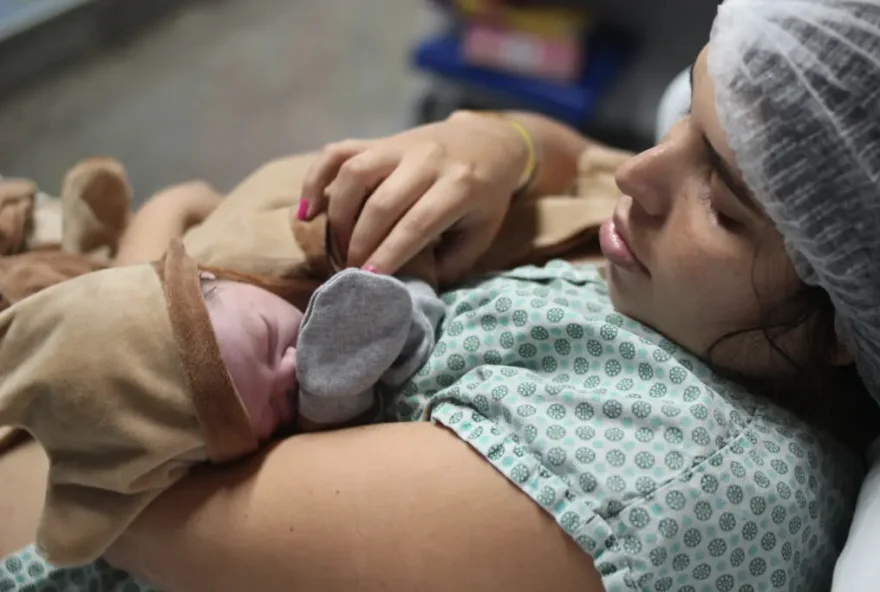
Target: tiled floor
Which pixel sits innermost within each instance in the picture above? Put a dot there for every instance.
(220, 87)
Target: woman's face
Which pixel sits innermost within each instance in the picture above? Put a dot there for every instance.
(257, 333)
(691, 253)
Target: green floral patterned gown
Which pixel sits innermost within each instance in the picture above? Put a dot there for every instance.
(668, 476)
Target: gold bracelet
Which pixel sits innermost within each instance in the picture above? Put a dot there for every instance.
(528, 174)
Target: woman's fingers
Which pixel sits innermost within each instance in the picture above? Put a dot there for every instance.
(418, 194)
(441, 207)
(356, 178)
(390, 201)
(324, 170)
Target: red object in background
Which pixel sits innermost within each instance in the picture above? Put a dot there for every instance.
(554, 58)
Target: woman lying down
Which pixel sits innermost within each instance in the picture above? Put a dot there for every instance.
(692, 421)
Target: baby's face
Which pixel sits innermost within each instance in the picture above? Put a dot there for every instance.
(257, 332)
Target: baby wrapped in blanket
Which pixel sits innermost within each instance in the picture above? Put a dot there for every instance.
(188, 368)
(191, 367)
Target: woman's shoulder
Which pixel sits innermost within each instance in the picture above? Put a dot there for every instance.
(556, 325)
(557, 269)
(557, 331)
(559, 281)
(616, 429)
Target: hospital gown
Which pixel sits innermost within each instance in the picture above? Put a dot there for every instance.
(668, 476)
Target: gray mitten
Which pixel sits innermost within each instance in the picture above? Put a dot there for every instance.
(354, 329)
(427, 312)
(360, 330)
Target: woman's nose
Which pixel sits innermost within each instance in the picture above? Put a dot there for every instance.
(648, 177)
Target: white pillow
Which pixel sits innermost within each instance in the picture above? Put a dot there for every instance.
(674, 103)
(858, 568)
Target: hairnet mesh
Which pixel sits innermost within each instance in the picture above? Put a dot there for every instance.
(798, 95)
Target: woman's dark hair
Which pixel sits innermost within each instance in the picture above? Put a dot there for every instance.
(828, 396)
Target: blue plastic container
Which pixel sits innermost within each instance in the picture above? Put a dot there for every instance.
(607, 55)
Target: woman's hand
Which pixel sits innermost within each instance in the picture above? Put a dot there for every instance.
(387, 199)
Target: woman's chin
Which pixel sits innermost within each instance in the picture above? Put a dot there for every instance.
(617, 290)
(625, 298)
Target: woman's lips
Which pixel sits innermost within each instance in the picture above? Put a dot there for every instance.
(616, 249)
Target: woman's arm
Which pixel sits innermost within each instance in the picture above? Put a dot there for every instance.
(388, 507)
(166, 216)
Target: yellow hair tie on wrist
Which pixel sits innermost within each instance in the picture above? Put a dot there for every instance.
(532, 163)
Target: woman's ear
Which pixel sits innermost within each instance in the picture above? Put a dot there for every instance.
(840, 355)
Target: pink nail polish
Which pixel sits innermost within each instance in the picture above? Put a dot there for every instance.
(303, 209)
(370, 269)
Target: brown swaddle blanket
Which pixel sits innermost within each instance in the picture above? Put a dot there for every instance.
(46, 241)
(250, 231)
(254, 230)
(118, 375)
(17, 198)
(123, 418)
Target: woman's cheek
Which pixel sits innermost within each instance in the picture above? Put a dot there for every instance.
(699, 294)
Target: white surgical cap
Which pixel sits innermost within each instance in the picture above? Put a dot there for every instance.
(798, 95)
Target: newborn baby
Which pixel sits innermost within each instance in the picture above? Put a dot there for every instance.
(129, 377)
(320, 369)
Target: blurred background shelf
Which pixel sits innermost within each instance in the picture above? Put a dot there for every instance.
(572, 102)
(632, 51)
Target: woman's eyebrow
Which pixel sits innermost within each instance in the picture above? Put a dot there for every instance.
(728, 178)
(724, 171)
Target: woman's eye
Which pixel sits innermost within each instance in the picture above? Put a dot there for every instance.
(727, 221)
(718, 215)
(723, 219)
(712, 204)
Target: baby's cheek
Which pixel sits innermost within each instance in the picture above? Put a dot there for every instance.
(257, 404)
(254, 404)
